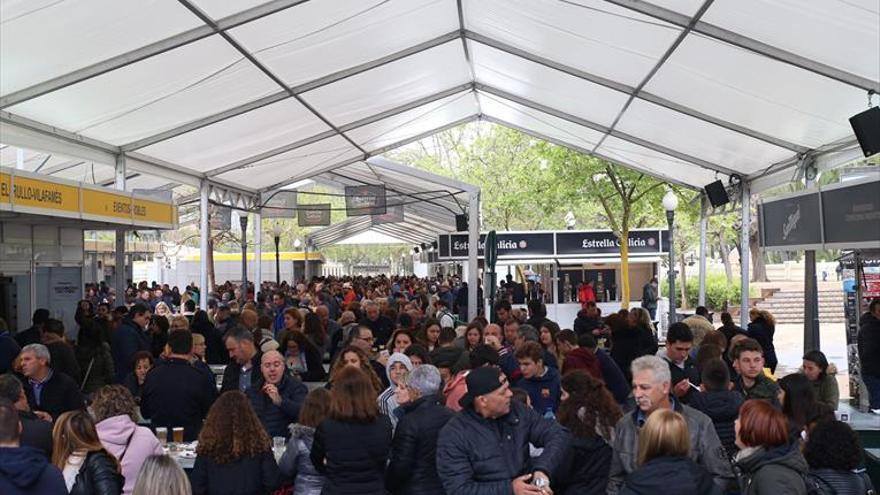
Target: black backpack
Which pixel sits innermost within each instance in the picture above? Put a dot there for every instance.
(816, 485)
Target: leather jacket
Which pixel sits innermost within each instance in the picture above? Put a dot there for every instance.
(99, 475)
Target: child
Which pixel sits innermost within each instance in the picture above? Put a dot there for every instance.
(717, 401)
(541, 382)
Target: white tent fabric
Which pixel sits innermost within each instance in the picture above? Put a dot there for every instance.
(256, 95)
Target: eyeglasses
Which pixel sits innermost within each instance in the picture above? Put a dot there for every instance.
(367, 339)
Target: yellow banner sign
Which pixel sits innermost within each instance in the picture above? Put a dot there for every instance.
(37, 193)
(5, 188)
(106, 204)
(145, 210)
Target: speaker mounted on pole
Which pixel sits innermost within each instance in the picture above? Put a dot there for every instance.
(866, 127)
(717, 194)
(461, 222)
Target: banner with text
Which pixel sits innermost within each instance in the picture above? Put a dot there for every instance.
(393, 214)
(281, 205)
(365, 200)
(316, 215)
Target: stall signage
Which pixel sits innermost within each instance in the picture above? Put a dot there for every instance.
(792, 221)
(313, 215)
(598, 243)
(104, 204)
(36, 193)
(5, 189)
(852, 214)
(145, 210)
(509, 244)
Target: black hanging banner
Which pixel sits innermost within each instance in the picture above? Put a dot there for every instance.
(792, 222)
(280, 205)
(572, 243)
(365, 200)
(316, 215)
(851, 216)
(393, 214)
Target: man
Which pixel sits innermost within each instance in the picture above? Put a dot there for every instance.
(492, 336)
(541, 382)
(576, 357)
(589, 320)
(510, 364)
(130, 338)
(869, 353)
(36, 432)
(381, 326)
(752, 382)
(331, 328)
(362, 338)
(61, 353)
(649, 297)
(511, 331)
(46, 390)
(537, 313)
(685, 376)
(279, 304)
(502, 312)
(176, 393)
(729, 328)
(9, 348)
(704, 312)
(484, 450)
(444, 315)
(446, 295)
(278, 401)
(615, 381)
(412, 467)
(243, 370)
(651, 389)
(34, 334)
(23, 470)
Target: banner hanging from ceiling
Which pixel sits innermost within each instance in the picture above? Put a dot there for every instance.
(393, 214)
(281, 205)
(316, 215)
(365, 200)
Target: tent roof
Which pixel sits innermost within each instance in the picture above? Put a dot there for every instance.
(254, 95)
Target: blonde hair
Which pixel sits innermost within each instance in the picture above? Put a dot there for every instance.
(160, 474)
(180, 319)
(664, 434)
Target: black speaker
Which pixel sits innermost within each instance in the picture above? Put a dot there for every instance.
(461, 223)
(866, 125)
(717, 194)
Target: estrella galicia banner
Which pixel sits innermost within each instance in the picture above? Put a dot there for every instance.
(852, 214)
(510, 245)
(317, 215)
(393, 214)
(365, 200)
(281, 205)
(791, 221)
(572, 243)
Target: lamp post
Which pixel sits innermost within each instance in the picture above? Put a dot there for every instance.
(670, 203)
(276, 234)
(243, 222)
(297, 244)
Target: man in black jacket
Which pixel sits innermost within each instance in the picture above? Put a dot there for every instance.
(485, 448)
(35, 432)
(869, 353)
(34, 334)
(177, 394)
(278, 401)
(128, 339)
(413, 466)
(682, 367)
(243, 370)
(47, 390)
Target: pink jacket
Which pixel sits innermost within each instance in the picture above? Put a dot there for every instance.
(455, 390)
(118, 431)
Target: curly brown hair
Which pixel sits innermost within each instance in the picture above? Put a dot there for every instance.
(339, 365)
(232, 430)
(590, 408)
(113, 400)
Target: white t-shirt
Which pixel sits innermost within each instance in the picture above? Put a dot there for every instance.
(72, 466)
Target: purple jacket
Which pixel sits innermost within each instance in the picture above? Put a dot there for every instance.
(120, 434)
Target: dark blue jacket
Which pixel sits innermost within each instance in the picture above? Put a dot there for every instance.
(176, 393)
(352, 456)
(584, 469)
(253, 475)
(544, 391)
(9, 348)
(761, 331)
(678, 475)
(277, 419)
(479, 456)
(723, 408)
(127, 340)
(615, 382)
(413, 466)
(25, 471)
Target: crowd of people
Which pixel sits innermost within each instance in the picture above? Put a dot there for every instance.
(380, 385)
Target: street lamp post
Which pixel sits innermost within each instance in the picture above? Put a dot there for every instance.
(276, 234)
(297, 244)
(670, 203)
(243, 221)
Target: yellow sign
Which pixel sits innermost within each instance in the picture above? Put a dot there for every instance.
(43, 194)
(145, 210)
(5, 188)
(106, 204)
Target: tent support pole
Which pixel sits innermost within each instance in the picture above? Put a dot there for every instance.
(473, 247)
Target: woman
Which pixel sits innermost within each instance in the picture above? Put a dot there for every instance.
(178, 322)
(302, 358)
(834, 454)
(351, 446)
(473, 336)
(549, 331)
(163, 310)
(158, 335)
(94, 358)
(762, 328)
(87, 467)
(768, 464)
(116, 415)
(625, 344)
(640, 320)
(397, 368)
(134, 382)
(234, 455)
(293, 321)
(821, 375)
(314, 331)
(295, 463)
(278, 400)
(664, 465)
(400, 340)
(798, 399)
(215, 350)
(590, 412)
(431, 334)
(417, 355)
(161, 475)
(354, 357)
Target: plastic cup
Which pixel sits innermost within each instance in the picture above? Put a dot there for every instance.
(178, 435)
(162, 435)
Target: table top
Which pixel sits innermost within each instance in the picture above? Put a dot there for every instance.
(185, 453)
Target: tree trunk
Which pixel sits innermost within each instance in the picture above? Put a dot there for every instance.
(624, 268)
(682, 281)
(759, 268)
(211, 281)
(725, 256)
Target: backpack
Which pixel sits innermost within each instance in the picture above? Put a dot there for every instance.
(816, 485)
(456, 322)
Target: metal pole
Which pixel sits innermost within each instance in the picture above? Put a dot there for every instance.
(258, 252)
(243, 221)
(120, 281)
(744, 255)
(204, 189)
(704, 224)
(811, 291)
(473, 247)
(277, 261)
(670, 221)
(306, 262)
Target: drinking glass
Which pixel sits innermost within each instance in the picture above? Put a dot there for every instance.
(178, 435)
(162, 435)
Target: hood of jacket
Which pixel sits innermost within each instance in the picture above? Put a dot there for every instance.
(788, 455)
(669, 475)
(397, 357)
(22, 466)
(301, 432)
(116, 430)
(720, 406)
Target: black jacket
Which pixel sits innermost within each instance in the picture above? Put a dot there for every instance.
(730, 330)
(176, 393)
(723, 409)
(689, 372)
(28, 336)
(277, 419)
(215, 350)
(678, 475)
(583, 325)
(36, 433)
(232, 374)
(63, 359)
(869, 345)
(413, 466)
(615, 381)
(9, 349)
(480, 456)
(626, 346)
(840, 482)
(761, 331)
(777, 471)
(99, 475)
(126, 341)
(584, 469)
(352, 456)
(60, 394)
(382, 328)
(101, 361)
(256, 475)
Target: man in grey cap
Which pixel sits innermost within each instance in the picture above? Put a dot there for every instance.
(485, 448)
